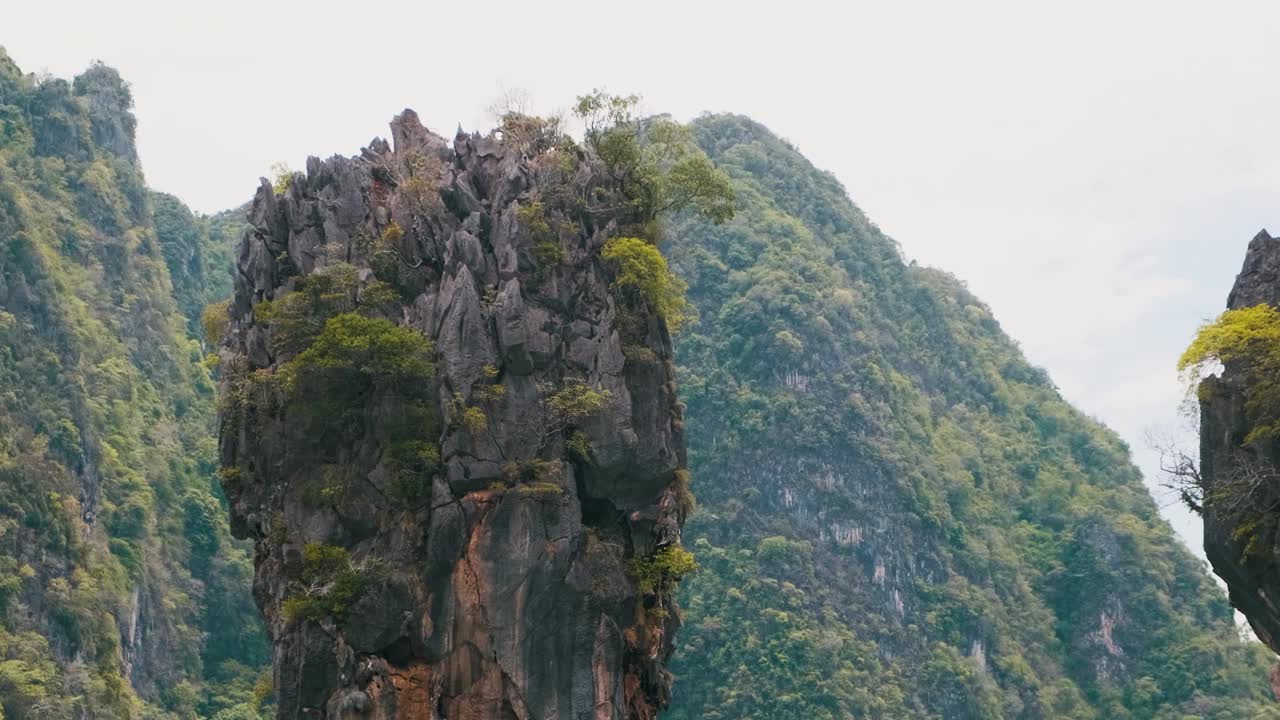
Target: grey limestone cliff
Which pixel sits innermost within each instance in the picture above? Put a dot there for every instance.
(1252, 577)
(503, 587)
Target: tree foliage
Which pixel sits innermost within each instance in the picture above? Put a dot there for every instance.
(661, 571)
(1248, 338)
(653, 161)
(331, 582)
(348, 376)
(642, 278)
(354, 350)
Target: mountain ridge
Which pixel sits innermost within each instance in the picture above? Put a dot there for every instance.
(123, 592)
(899, 516)
(902, 495)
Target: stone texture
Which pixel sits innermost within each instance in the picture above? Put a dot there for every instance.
(1253, 580)
(493, 604)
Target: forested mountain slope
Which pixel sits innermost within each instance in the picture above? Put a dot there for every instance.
(898, 515)
(121, 592)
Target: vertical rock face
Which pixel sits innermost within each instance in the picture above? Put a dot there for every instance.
(500, 587)
(1253, 578)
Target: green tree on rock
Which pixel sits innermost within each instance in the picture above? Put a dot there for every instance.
(644, 278)
(653, 162)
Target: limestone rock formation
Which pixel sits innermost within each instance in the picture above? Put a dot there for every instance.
(502, 585)
(1253, 578)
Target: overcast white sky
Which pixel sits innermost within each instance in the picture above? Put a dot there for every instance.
(1093, 170)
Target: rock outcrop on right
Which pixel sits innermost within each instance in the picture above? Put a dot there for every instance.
(1241, 543)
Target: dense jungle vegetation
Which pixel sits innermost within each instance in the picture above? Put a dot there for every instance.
(122, 594)
(899, 516)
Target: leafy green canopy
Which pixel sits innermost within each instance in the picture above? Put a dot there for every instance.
(1250, 338)
(659, 572)
(654, 161)
(353, 375)
(644, 279)
(372, 348)
(299, 316)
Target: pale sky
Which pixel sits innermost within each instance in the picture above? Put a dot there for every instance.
(1093, 170)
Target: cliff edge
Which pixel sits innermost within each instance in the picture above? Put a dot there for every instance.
(1246, 558)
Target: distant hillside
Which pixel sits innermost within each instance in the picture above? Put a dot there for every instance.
(122, 594)
(900, 517)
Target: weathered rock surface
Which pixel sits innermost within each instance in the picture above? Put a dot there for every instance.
(496, 599)
(1253, 578)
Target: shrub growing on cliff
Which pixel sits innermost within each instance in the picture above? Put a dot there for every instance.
(355, 356)
(331, 582)
(419, 181)
(659, 572)
(577, 400)
(1250, 338)
(297, 317)
(214, 322)
(355, 365)
(371, 350)
(281, 178)
(546, 244)
(643, 278)
(410, 463)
